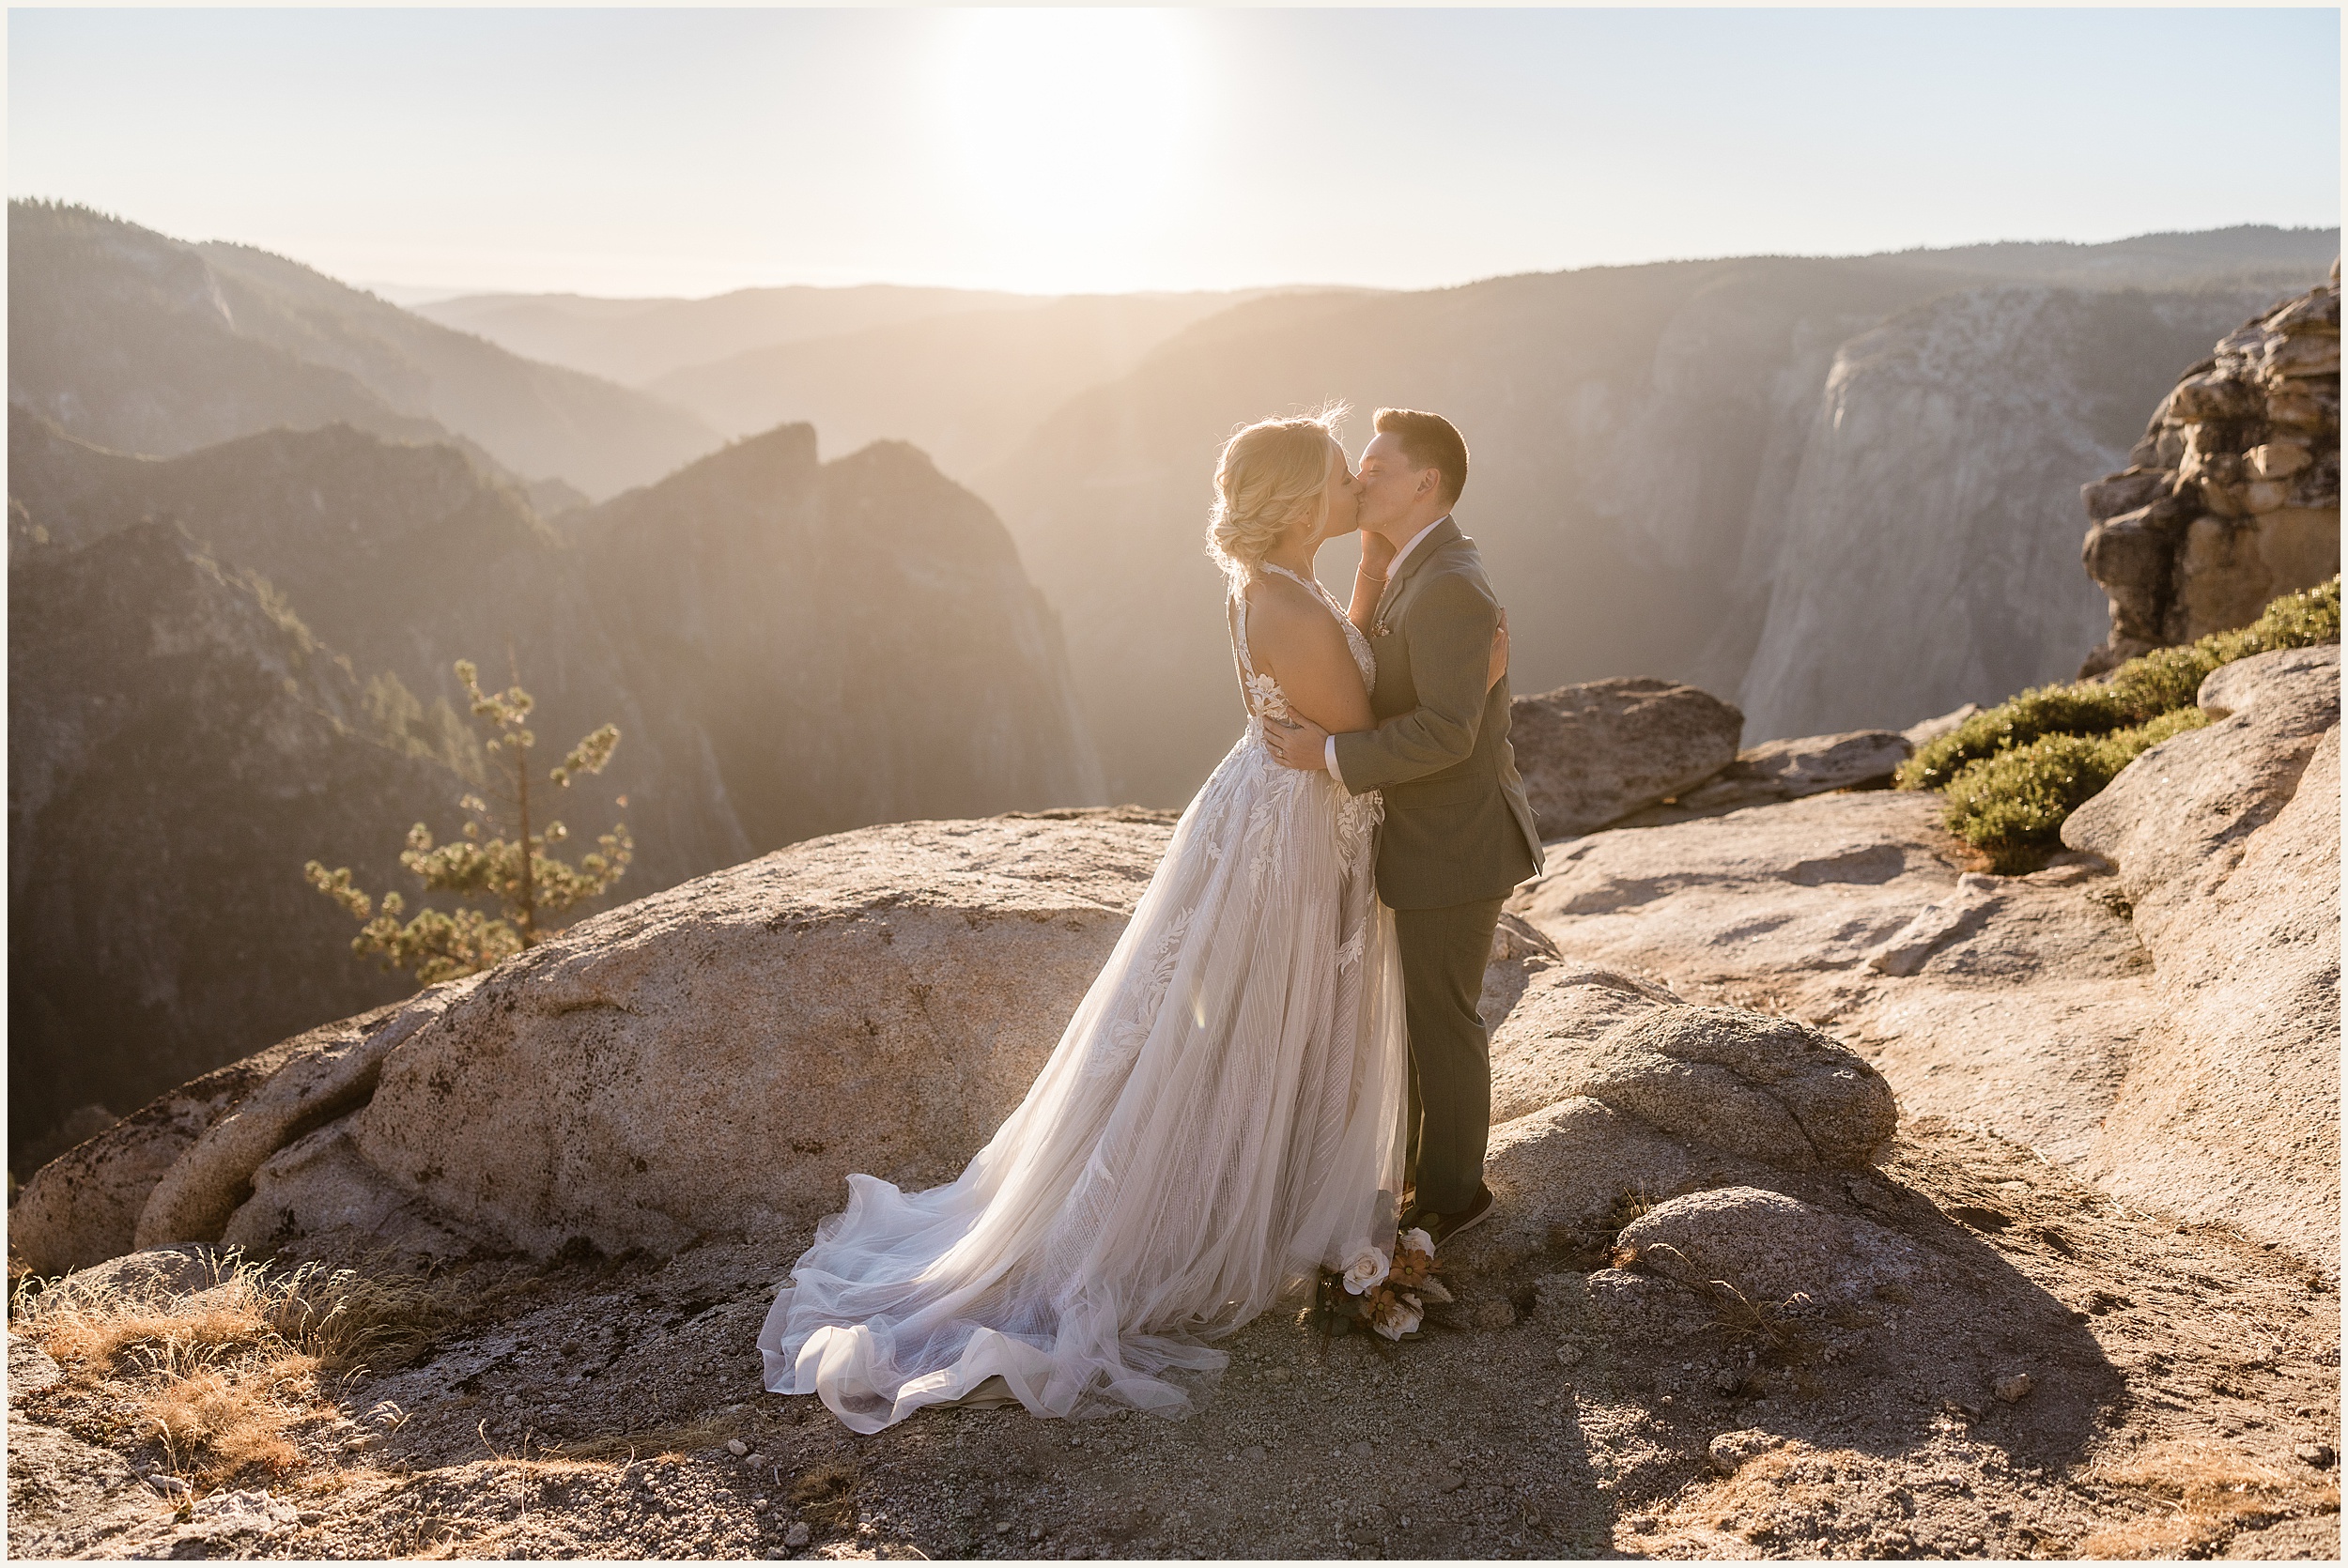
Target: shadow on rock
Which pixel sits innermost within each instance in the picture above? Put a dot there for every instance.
(1694, 1200)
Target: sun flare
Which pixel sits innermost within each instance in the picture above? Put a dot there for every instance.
(1066, 129)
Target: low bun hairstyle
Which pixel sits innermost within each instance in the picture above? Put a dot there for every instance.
(1267, 471)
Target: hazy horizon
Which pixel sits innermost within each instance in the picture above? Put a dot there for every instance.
(686, 154)
(402, 293)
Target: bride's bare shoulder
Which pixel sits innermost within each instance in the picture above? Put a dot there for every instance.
(1287, 617)
(1270, 595)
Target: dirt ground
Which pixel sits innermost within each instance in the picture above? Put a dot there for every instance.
(2182, 1400)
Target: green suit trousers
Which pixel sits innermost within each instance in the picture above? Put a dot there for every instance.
(1443, 954)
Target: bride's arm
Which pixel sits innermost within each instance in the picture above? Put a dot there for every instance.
(1369, 580)
(1295, 640)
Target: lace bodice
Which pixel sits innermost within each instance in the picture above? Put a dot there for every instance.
(1265, 699)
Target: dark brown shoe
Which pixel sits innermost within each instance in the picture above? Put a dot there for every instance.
(1440, 1228)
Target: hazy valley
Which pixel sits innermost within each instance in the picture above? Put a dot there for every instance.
(1670, 461)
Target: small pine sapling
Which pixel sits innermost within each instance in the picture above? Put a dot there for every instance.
(498, 860)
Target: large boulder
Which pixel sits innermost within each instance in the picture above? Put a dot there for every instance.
(2233, 496)
(2227, 844)
(1607, 1087)
(1598, 751)
(1809, 765)
(714, 1059)
(1769, 1247)
(1770, 1089)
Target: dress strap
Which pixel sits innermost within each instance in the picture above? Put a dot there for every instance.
(1311, 585)
(1235, 617)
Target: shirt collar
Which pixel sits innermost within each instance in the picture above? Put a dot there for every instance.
(1417, 540)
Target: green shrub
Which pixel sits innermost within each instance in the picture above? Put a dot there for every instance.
(2084, 709)
(2012, 806)
(2139, 691)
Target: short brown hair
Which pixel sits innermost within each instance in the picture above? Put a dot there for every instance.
(1429, 441)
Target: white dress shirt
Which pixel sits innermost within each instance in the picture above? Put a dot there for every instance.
(1329, 746)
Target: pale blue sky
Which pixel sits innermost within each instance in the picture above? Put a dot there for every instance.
(680, 151)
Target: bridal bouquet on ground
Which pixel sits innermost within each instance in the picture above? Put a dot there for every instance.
(1386, 1296)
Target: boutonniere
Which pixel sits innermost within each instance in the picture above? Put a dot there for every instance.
(1380, 629)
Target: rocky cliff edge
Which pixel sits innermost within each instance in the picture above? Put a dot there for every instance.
(1997, 1212)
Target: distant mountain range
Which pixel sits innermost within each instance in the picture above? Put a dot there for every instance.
(1658, 482)
(1665, 478)
(964, 376)
(140, 343)
(635, 342)
(966, 387)
(226, 662)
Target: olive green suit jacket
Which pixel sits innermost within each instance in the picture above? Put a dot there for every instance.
(1458, 828)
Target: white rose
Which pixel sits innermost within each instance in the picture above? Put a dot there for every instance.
(1398, 1320)
(1365, 1272)
(1418, 1242)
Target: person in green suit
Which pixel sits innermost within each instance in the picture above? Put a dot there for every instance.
(1459, 834)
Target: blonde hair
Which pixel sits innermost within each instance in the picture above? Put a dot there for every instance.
(1265, 473)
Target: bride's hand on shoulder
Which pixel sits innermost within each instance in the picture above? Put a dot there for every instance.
(1499, 663)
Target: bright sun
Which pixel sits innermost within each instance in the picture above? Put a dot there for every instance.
(1067, 129)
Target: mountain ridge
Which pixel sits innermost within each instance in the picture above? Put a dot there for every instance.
(154, 344)
(790, 647)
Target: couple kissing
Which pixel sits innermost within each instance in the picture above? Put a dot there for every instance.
(1282, 1066)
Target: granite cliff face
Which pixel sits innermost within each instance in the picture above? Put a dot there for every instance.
(177, 742)
(789, 647)
(2232, 498)
(1925, 555)
(135, 341)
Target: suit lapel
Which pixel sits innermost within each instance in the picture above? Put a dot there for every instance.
(1445, 532)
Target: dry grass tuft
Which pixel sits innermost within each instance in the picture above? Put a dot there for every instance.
(664, 1442)
(827, 1494)
(1772, 1499)
(222, 1376)
(1630, 1204)
(2209, 1491)
(235, 1418)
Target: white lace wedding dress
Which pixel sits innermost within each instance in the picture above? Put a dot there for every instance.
(1222, 1120)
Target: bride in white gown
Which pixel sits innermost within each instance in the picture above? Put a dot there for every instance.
(1222, 1118)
